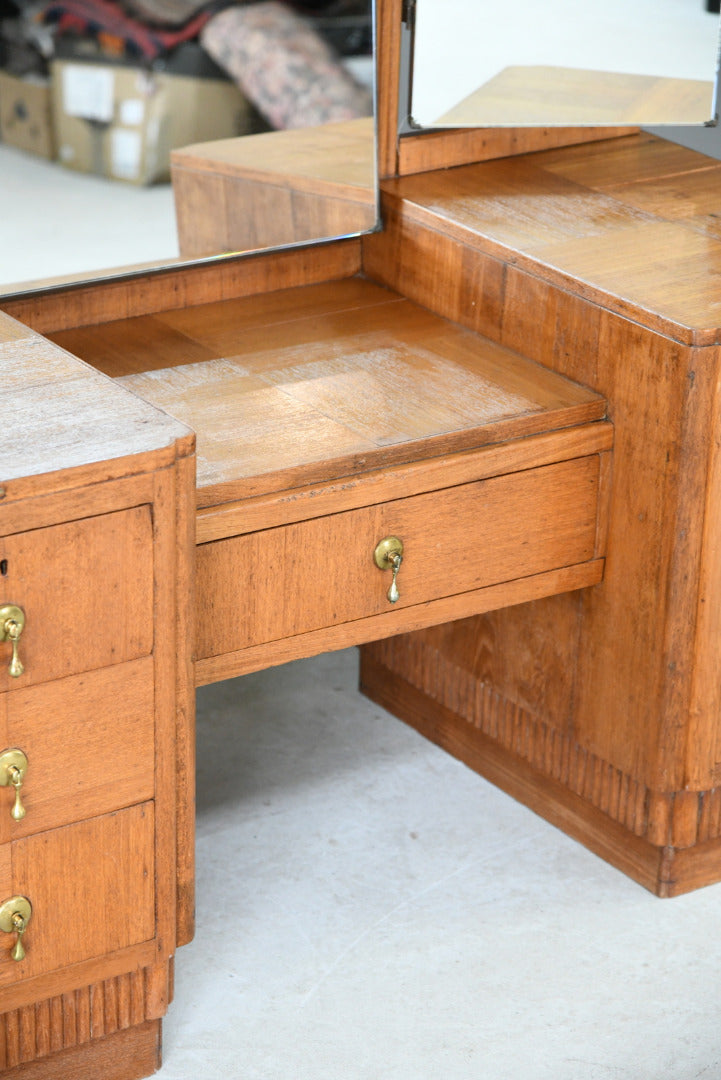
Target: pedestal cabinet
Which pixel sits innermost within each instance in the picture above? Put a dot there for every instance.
(95, 717)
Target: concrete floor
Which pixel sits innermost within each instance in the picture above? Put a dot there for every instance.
(370, 909)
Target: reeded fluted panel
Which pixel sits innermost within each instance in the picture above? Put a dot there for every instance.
(72, 1019)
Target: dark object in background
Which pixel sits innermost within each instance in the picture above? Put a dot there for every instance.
(713, 5)
(344, 24)
(349, 35)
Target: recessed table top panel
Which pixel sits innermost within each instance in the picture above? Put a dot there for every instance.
(310, 384)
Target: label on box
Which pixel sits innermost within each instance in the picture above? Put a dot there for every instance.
(126, 148)
(132, 112)
(88, 92)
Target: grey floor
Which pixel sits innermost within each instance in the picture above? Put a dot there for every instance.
(368, 908)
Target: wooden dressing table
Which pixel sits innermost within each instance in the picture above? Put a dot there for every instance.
(518, 378)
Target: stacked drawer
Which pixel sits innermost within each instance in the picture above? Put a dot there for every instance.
(77, 742)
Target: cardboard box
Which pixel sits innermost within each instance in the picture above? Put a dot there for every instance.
(25, 114)
(122, 122)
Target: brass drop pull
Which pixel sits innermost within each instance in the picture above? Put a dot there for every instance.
(12, 623)
(13, 766)
(388, 555)
(14, 918)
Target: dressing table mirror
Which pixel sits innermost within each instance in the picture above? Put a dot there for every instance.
(478, 442)
(533, 66)
(118, 121)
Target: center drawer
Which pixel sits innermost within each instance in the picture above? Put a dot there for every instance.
(287, 581)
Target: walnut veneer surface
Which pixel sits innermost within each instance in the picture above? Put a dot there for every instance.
(93, 545)
(602, 262)
(325, 381)
(280, 187)
(330, 416)
(534, 94)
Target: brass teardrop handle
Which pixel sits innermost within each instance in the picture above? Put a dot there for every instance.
(12, 623)
(388, 555)
(14, 918)
(13, 766)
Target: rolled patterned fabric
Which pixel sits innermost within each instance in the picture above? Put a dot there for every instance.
(283, 66)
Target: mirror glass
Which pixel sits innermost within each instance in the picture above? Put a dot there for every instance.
(563, 63)
(256, 133)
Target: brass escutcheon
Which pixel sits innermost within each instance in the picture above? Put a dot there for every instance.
(14, 918)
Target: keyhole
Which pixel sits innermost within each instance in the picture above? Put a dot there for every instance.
(3, 567)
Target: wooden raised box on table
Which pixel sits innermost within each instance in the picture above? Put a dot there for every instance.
(519, 378)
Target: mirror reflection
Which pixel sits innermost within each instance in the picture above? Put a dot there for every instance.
(529, 64)
(148, 132)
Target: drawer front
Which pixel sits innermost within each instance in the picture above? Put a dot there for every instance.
(89, 743)
(286, 581)
(86, 588)
(91, 886)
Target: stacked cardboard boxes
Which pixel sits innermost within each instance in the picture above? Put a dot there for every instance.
(101, 116)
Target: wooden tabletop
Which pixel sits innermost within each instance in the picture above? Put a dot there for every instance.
(330, 158)
(633, 224)
(59, 415)
(304, 385)
(534, 95)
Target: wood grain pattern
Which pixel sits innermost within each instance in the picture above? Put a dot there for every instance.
(127, 1054)
(552, 508)
(536, 95)
(375, 486)
(124, 298)
(111, 858)
(315, 159)
(92, 765)
(658, 271)
(624, 163)
(61, 415)
(183, 704)
(426, 150)
(376, 627)
(188, 335)
(554, 800)
(629, 667)
(279, 187)
(101, 564)
(71, 580)
(332, 382)
(539, 763)
(97, 538)
(71, 1020)
(387, 50)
